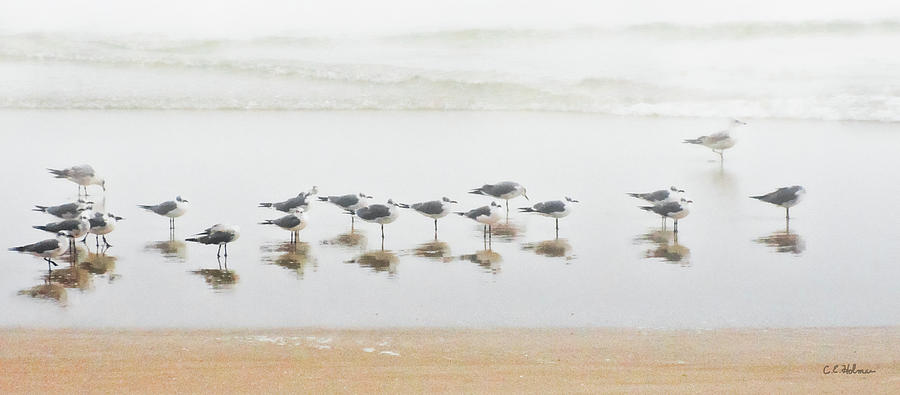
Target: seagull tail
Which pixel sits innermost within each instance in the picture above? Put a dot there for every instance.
(402, 205)
(196, 239)
(526, 210)
(760, 197)
(322, 198)
(145, 207)
(18, 249)
(693, 141)
(39, 208)
(58, 173)
(477, 191)
(646, 208)
(42, 227)
(349, 212)
(459, 213)
(267, 222)
(265, 205)
(636, 195)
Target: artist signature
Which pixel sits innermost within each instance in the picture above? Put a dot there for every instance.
(845, 369)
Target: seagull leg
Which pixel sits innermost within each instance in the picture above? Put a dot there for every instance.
(382, 231)
(106, 242)
(219, 251)
(787, 213)
(676, 226)
(490, 232)
(557, 228)
(96, 240)
(226, 255)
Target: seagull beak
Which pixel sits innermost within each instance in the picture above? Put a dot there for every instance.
(526, 196)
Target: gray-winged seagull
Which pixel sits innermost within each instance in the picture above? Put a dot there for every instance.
(47, 249)
(83, 175)
(293, 222)
(488, 215)
(172, 209)
(300, 201)
(786, 197)
(434, 209)
(553, 208)
(67, 210)
(718, 142)
(505, 190)
(675, 210)
(219, 234)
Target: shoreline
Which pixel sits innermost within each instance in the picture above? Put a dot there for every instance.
(448, 360)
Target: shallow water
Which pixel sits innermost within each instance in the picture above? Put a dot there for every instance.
(734, 263)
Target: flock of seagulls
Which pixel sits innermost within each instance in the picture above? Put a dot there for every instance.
(81, 218)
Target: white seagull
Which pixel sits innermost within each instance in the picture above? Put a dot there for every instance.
(83, 175)
(378, 213)
(675, 210)
(553, 208)
(101, 225)
(350, 202)
(65, 211)
(293, 222)
(434, 209)
(172, 209)
(786, 197)
(720, 141)
(219, 234)
(505, 190)
(47, 249)
(300, 201)
(487, 215)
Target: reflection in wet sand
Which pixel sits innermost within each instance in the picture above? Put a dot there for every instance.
(378, 260)
(47, 291)
(293, 256)
(667, 247)
(220, 278)
(784, 241)
(81, 252)
(507, 231)
(71, 277)
(172, 250)
(487, 259)
(352, 239)
(434, 249)
(555, 248)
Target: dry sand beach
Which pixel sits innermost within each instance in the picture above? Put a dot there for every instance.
(441, 360)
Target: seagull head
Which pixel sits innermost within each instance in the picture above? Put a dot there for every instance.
(686, 201)
(102, 184)
(675, 189)
(495, 204)
(364, 196)
(448, 200)
(737, 122)
(313, 191)
(568, 199)
(524, 193)
(115, 217)
(180, 199)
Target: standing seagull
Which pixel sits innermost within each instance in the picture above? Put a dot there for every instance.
(786, 197)
(219, 234)
(487, 215)
(505, 190)
(83, 175)
(74, 228)
(348, 202)
(67, 210)
(101, 225)
(718, 142)
(673, 194)
(47, 249)
(676, 210)
(379, 214)
(172, 209)
(294, 222)
(433, 209)
(553, 208)
(300, 201)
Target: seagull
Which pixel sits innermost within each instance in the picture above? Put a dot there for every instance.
(83, 175)
(676, 210)
(487, 215)
(505, 190)
(553, 208)
(433, 209)
(102, 224)
(378, 213)
(718, 142)
(786, 197)
(47, 249)
(294, 222)
(66, 211)
(172, 209)
(73, 228)
(299, 201)
(219, 234)
(660, 196)
(348, 202)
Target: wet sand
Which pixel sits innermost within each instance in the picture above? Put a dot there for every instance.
(448, 360)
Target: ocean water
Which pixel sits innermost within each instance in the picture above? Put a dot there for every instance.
(816, 70)
(734, 263)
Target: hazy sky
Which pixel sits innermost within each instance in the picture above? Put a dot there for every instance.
(266, 16)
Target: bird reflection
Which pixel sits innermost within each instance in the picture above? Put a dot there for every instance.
(784, 241)
(220, 278)
(434, 249)
(556, 248)
(486, 258)
(378, 260)
(47, 291)
(508, 231)
(172, 250)
(666, 247)
(352, 239)
(71, 277)
(100, 264)
(293, 256)
(80, 253)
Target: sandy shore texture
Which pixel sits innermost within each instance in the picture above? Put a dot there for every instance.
(449, 360)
